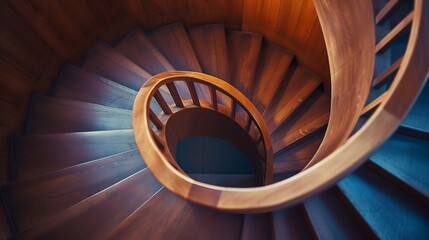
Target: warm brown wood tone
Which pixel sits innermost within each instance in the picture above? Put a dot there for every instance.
(155, 120)
(257, 226)
(295, 91)
(45, 196)
(313, 115)
(372, 106)
(111, 64)
(56, 115)
(37, 154)
(294, 158)
(82, 217)
(290, 224)
(380, 79)
(77, 84)
(350, 47)
(395, 33)
(166, 216)
(293, 25)
(209, 43)
(273, 66)
(162, 103)
(243, 53)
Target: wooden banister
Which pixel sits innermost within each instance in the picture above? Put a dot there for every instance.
(351, 64)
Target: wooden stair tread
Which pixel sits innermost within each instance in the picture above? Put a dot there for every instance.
(290, 223)
(226, 180)
(332, 219)
(98, 215)
(45, 196)
(167, 216)
(111, 64)
(209, 43)
(273, 66)
(257, 226)
(173, 42)
(243, 53)
(297, 89)
(311, 116)
(405, 158)
(38, 154)
(56, 115)
(381, 204)
(295, 157)
(78, 84)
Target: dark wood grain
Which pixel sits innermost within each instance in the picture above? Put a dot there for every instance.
(167, 216)
(38, 154)
(273, 65)
(78, 84)
(56, 115)
(294, 92)
(243, 54)
(46, 196)
(290, 223)
(111, 64)
(98, 215)
(257, 226)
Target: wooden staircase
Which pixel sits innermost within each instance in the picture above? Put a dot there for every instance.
(78, 173)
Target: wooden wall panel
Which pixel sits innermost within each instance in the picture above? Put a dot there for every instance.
(83, 15)
(293, 25)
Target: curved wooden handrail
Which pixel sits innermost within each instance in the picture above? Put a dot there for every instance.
(143, 116)
(405, 87)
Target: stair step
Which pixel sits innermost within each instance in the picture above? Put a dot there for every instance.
(257, 226)
(389, 211)
(38, 154)
(290, 223)
(49, 115)
(273, 66)
(418, 117)
(331, 219)
(45, 196)
(295, 157)
(209, 43)
(167, 216)
(98, 215)
(406, 158)
(78, 84)
(294, 92)
(226, 180)
(243, 53)
(173, 42)
(312, 115)
(111, 64)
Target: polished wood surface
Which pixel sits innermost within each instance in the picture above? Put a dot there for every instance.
(45, 196)
(350, 46)
(78, 84)
(37, 154)
(57, 115)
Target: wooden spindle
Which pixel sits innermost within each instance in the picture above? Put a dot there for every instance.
(175, 94)
(193, 92)
(248, 123)
(394, 34)
(155, 120)
(214, 97)
(162, 103)
(233, 108)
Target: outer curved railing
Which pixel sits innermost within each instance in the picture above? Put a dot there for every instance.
(391, 110)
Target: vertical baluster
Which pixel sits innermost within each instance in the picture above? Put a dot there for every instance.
(233, 108)
(214, 97)
(157, 139)
(193, 92)
(162, 103)
(248, 123)
(155, 120)
(175, 94)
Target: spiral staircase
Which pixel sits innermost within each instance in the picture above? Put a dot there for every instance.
(78, 168)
